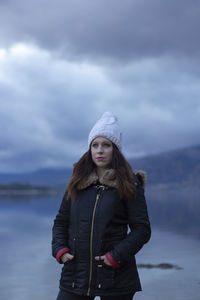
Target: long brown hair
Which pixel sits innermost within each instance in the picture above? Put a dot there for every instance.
(123, 170)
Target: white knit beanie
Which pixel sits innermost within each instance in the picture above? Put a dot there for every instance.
(108, 127)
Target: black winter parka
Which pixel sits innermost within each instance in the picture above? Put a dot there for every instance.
(97, 223)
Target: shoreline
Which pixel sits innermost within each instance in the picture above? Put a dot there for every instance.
(28, 192)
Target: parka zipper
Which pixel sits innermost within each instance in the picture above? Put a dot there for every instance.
(91, 236)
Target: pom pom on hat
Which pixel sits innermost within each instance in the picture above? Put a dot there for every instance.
(108, 127)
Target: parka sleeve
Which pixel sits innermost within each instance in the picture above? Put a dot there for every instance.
(60, 229)
(140, 230)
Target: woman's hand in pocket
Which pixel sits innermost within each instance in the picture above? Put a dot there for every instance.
(105, 260)
(66, 257)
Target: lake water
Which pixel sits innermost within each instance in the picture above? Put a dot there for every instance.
(29, 272)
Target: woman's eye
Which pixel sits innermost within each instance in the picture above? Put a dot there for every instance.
(95, 145)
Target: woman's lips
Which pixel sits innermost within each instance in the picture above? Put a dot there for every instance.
(100, 158)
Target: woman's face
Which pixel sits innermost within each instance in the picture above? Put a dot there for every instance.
(102, 151)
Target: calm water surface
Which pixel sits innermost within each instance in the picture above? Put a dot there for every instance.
(29, 272)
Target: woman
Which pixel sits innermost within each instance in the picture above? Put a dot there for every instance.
(90, 232)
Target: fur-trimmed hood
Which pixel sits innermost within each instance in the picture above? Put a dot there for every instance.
(142, 176)
(108, 178)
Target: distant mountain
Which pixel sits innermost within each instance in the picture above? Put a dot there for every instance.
(170, 167)
(178, 166)
(56, 178)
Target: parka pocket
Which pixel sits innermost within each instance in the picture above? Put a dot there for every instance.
(68, 266)
(68, 262)
(105, 276)
(67, 274)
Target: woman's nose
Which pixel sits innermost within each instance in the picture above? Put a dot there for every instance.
(100, 149)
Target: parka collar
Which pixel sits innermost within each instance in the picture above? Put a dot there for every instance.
(108, 178)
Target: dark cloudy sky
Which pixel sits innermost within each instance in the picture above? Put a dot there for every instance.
(63, 63)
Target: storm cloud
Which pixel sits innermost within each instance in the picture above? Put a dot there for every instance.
(104, 29)
(63, 63)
